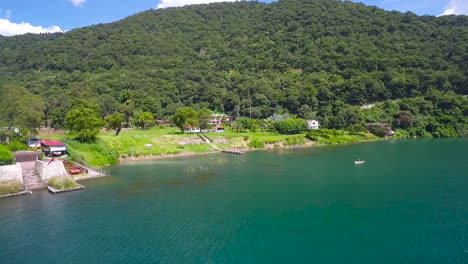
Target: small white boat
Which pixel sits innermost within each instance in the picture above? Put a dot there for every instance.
(359, 161)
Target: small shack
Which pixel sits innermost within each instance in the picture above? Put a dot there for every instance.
(219, 129)
(53, 147)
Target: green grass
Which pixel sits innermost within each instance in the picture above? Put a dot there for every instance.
(9, 187)
(108, 148)
(62, 183)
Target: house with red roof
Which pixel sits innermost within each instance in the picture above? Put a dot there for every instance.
(53, 147)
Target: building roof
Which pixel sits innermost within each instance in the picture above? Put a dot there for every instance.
(220, 127)
(51, 142)
(27, 153)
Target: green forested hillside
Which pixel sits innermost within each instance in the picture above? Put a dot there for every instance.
(305, 57)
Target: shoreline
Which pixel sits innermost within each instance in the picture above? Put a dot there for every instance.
(272, 147)
(164, 156)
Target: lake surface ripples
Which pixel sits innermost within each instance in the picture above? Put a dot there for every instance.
(407, 204)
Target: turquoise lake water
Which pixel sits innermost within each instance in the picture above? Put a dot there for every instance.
(407, 204)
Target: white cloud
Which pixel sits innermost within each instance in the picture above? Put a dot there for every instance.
(78, 3)
(456, 7)
(174, 3)
(8, 28)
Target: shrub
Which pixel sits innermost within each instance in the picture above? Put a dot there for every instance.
(294, 140)
(356, 129)
(16, 146)
(256, 144)
(62, 183)
(290, 126)
(9, 187)
(378, 131)
(6, 156)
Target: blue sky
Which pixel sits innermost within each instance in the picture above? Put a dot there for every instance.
(22, 16)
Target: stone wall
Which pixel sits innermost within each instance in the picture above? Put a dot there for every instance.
(48, 170)
(11, 173)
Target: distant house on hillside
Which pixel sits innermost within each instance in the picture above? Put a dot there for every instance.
(216, 119)
(313, 124)
(52, 147)
(193, 129)
(369, 106)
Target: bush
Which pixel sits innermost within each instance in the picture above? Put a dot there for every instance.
(62, 183)
(6, 156)
(290, 126)
(356, 129)
(294, 140)
(9, 187)
(378, 131)
(96, 154)
(17, 146)
(256, 144)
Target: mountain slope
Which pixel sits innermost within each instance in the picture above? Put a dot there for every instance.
(244, 57)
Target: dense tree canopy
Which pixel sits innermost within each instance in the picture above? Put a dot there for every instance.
(83, 123)
(311, 58)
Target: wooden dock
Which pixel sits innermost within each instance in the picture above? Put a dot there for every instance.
(15, 194)
(234, 151)
(55, 191)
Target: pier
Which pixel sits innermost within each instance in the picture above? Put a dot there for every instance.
(15, 194)
(233, 151)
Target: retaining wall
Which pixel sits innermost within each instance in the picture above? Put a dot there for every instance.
(11, 173)
(48, 170)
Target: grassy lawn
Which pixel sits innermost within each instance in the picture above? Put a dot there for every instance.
(108, 148)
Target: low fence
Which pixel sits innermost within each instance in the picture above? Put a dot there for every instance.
(92, 170)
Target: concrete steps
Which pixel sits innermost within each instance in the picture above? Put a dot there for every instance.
(31, 178)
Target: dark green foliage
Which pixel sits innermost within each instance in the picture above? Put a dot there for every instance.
(290, 126)
(183, 117)
(314, 59)
(6, 156)
(245, 123)
(16, 146)
(83, 123)
(203, 117)
(143, 119)
(115, 122)
(378, 131)
(19, 108)
(434, 115)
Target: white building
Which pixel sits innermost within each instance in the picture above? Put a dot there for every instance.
(313, 124)
(193, 129)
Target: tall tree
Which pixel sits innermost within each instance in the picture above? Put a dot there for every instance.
(115, 122)
(184, 117)
(20, 109)
(83, 123)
